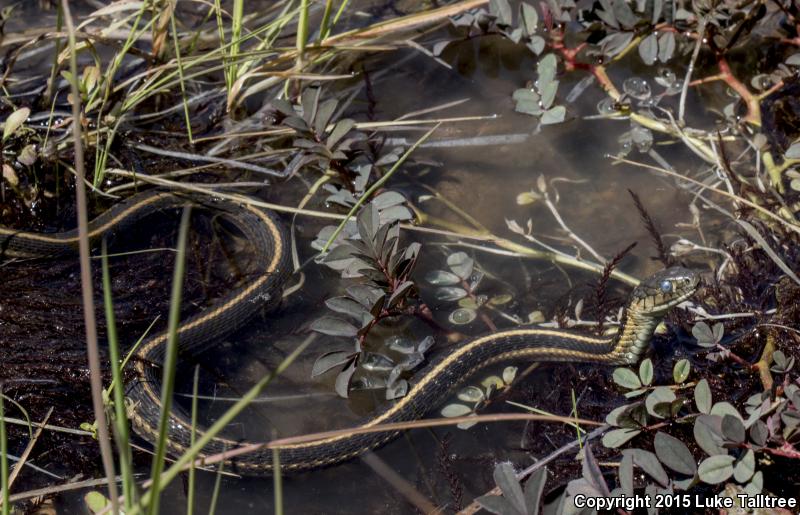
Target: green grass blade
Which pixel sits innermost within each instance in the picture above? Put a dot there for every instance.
(170, 361)
(192, 471)
(120, 415)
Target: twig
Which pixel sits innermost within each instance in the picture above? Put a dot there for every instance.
(571, 234)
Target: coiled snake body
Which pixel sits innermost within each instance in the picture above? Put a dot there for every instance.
(648, 304)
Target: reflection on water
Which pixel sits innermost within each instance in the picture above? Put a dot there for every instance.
(484, 180)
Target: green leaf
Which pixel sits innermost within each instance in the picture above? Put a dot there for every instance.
(506, 479)
(745, 467)
(624, 14)
(716, 469)
(646, 371)
(471, 394)
(546, 68)
(339, 131)
(502, 10)
(388, 199)
(626, 475)
(554, 115)
(674, 454)
(537, 45)
(680, 372)
(649, 463)
(342, 385)
(759, 433)
(733, 428)
(95, 501)
(455, 410)
(721, 409)
(529, 17)
(334, 327)
(703, 334)
(460, 264)
(324, 114)
(618, 437)
(648, 49)
(450, 293)
(346, 306)
(330, 360)
(702, 397)
(708, 434)
(658, 403)
(534, 488)
(548, 93)
(442, 278)
(15, 121)
(626, 378)
(756, 485)
(666, 46)
(793, 60)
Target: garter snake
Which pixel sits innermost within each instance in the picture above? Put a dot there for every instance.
(647, 305)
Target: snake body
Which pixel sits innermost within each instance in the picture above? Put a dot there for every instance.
(648, 304)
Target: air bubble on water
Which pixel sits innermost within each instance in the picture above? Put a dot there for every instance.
(637, 88)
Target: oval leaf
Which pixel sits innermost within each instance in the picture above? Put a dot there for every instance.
(680, 372)
(627, 378)
(618, 437)
(334, 327)
(674, 454)
(330, 360)
(15, 121)
(716, 469)
(702, 397)
(646, 371)
(455, 410)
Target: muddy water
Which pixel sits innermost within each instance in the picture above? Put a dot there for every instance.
(484, 179)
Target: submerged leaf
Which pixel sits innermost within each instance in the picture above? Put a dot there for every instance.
(554, 115)
(330, 360)
(342, 385)
(455, 410)
(334, 327)
(461, 264)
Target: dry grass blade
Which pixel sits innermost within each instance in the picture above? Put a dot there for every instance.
(28, 449)
(434, 422)
(86, 275)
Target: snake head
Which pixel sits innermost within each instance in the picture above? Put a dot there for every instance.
(664, 290)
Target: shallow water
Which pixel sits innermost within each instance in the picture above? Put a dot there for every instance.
(484, 180)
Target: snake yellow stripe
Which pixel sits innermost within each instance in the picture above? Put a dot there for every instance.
(648, 304)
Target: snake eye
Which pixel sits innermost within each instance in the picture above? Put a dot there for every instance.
(666, 286)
